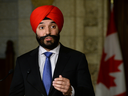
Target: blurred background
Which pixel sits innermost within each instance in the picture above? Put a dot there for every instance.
(85, 26)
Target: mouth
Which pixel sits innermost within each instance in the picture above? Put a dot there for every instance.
(48, 38)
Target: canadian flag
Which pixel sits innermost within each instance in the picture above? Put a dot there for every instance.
(111, 79)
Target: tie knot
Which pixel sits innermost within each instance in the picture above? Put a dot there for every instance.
(48, 54)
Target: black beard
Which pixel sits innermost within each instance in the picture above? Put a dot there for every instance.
(50, 46)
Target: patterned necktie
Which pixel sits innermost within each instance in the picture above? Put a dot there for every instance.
(47, 72)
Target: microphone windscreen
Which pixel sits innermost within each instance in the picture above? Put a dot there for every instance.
(28, 71)
(10, 71)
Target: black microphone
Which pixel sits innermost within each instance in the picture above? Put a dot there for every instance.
(10, 72)
(28, 72)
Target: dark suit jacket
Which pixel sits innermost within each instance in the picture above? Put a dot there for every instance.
(71, 64)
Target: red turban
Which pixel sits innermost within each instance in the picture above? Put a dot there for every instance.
(48, 11)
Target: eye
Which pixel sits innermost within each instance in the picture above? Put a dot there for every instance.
(54, 26)
(41, 27)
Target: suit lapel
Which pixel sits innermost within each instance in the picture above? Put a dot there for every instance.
(34, 76)
(61, 63)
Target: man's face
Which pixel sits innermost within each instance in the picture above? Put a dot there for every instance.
(47, 34)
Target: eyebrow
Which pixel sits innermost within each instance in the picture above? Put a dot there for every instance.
(43, 22)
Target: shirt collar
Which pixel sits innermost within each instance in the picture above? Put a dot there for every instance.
(55, 50)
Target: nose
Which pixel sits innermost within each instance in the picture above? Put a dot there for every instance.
(47, 31)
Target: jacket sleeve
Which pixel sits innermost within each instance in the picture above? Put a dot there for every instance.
(17, 85)
(84, 84)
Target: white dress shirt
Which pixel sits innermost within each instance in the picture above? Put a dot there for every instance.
(53, 59)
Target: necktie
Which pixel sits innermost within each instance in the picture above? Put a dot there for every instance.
(47, 73)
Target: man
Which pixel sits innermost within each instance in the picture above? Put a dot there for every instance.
(63, 73)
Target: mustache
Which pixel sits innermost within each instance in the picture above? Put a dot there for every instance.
(43, 37)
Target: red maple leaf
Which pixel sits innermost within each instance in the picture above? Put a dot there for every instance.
(107, 67)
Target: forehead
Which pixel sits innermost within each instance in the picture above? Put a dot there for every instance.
(47, 22)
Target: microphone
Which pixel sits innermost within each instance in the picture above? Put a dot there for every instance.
(28, 72)
(10, 72)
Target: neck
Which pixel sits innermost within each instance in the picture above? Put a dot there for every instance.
(47, 49)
